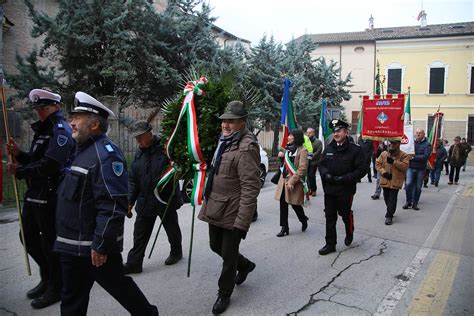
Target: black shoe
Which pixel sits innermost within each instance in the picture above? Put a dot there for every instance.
(48, 298)
(375, 197)
(348, 239)
(425, 185)
(415, 207)
(388, 221)
(132, 268)
(327, 250)
(370, 180)
(450, 182)
(304, 224)
(436, 184)
(283, 232)
(173, 258)
(242, 275)
(37, 291)
(406, 206)
(220, 305)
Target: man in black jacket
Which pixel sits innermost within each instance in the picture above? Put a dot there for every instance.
(342, 165)
(41, 168)
(147, 168)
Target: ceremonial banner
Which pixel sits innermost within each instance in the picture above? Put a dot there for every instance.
(383, 118)
(408, 141)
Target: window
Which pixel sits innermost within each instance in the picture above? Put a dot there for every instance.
(354, 121)
(436, 80)
(395, 73)
(470, 130)
(394, 83)
(471, 87)
(437, 75)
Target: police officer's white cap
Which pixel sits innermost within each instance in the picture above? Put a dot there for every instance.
(84, 103)
(40, 97)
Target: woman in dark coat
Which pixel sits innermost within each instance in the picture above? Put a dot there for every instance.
(290, 189)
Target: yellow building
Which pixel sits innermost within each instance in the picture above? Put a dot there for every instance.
(435, 61)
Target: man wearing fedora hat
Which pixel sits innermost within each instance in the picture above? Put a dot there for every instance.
(231, 199)
(92, 204)
(147, 167)
(41, 168)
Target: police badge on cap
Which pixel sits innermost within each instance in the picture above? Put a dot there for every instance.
(40, 97)
(336, 125)
(84, 103)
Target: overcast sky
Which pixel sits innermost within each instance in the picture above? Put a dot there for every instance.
(284, 19)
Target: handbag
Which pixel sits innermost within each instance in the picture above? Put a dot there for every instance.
(276, 177)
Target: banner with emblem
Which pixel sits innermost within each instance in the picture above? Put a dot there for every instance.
(383, 117)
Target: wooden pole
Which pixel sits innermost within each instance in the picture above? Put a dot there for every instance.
(11, 159)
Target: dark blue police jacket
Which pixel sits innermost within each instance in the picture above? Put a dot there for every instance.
(93, 200)
(50, 152)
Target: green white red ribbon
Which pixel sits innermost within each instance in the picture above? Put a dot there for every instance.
(292, 170)
(194, 149)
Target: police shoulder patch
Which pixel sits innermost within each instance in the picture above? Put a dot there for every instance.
(109, 148)
(60, 126)
(61, 140)
(117, 167)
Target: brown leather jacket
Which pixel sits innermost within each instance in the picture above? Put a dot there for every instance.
(397, 169)
(233, 198)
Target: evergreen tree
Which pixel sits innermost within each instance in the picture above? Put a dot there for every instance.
(265, 75)
(120, 48)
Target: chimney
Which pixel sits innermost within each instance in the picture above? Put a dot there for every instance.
(371, 22)
(422, 18)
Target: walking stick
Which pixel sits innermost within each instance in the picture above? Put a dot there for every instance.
(164, 216)
(15, 186)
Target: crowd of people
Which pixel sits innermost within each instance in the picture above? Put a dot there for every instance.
(80, 191)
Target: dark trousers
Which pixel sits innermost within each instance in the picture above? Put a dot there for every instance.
(284, 211)
(390, 198)
(40, 234)
(142, 233)
(79, 275)
(446, 166)
(312, 177)
(226, 243)
(454, 173)
(341, 205)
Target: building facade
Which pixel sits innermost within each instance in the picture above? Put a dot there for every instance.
(435, 61)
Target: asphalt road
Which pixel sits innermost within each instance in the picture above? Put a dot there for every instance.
(422, 264)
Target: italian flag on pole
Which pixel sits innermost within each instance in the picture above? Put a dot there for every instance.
(324, 132)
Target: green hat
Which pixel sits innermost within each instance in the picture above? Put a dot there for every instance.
(140, 127)
(234, 110)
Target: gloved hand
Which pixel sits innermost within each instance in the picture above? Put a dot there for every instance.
(329, 178)
(338, 179)
(387, 175)
(390, 160)
(242, 234)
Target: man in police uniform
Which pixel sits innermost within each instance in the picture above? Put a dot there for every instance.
(342, 165)
(146, 170)
(92, 204)
(41, 168)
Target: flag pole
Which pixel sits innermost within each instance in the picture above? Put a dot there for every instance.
(15, 184)
(191, 242)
